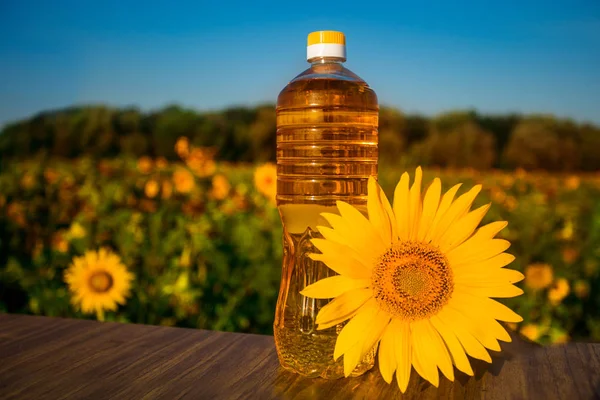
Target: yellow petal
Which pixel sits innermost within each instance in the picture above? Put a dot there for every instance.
(415, 205)
(499, 261)
(442, 356)
(488, 277)
(334, 286)
(490, 230)
(421, 370)
(504, 291)
(353, 333)
(475, 327)
(445, 203)
(456, 350)
(431, 351)
(401, 206)
(365, 342)
(430, 206)
(332, 234)
(387, 355)
(469, 253)
(361, 227)
(462, 229)
(335, 321)
(377, 215)
(403, 347)
(471, 345)
(351, 360)
(422, 365)
(456, 211)
(499, 311)
(474, 309)
(361, 238)
(390, 214)
(341, 259)
(343, 307)
(378, 326)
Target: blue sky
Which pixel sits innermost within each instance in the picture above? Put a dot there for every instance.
(429, 57)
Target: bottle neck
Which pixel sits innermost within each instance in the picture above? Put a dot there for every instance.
(326, 60)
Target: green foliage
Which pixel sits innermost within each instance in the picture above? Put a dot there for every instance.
(240, 134)
(199, 261)
(544, 143)
(459, 145)
(207, 262)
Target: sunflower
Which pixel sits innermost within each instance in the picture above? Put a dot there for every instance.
(144, 164)
(59, 242)
(581, 289)
(532, 331)
(182, 147)
(538, 276)
(416, 279)
(151, 188)
(183, 180)
(220, 187)
(167, 189)
(559, 291)
(162, 163)
(98, 281)
(265, 180)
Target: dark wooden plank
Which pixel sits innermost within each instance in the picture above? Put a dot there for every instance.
(52, 358)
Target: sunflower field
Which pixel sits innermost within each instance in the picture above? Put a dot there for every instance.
(197, 243)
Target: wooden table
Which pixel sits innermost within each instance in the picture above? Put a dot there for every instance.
(53, 358)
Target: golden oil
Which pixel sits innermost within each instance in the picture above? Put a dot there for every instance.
(327, 119)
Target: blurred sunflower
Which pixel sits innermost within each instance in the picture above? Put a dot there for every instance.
(417, 279)
(200, 160)
(559, 291)
(520, 173)
(510, 203)
(532, 331)
(183, 180)
(498, 195)
(51, 176)
(167, 189)
(559, 337)
(182, 147)
(568, 230)
(76, 231)
(98, 282)
(581, 289)
(28, 181)
(569, 254)
(265, 180)
(59, 242)
(151, 188)
(144, 164)
(572, 182)
(161, 163)
(220, 187)
(538, 276)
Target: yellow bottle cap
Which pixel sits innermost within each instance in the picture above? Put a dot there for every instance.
(334, 37)
(326, 44)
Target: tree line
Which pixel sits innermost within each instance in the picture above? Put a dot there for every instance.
(456, 139)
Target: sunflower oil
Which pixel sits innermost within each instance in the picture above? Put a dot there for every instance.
(327, 119)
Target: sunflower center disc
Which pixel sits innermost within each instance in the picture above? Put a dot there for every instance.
(412, 281)
(101, 282)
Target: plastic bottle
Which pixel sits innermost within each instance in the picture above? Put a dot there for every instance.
(327, 119)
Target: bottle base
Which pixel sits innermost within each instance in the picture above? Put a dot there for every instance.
(331, 373)
(312, 355)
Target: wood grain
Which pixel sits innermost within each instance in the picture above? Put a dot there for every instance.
(53, 358)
